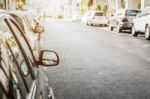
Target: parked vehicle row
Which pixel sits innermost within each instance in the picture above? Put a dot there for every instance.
(135, 21)
(21, 72)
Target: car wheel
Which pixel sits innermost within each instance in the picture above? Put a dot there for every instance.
(110, 28)
(133, 31)
(118, 28)
(147, 32)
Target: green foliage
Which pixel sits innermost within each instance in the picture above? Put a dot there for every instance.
(98, 7)
(90, 3)
(82, 6)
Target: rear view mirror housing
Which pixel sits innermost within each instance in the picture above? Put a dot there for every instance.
(48, 58)
(39, 29)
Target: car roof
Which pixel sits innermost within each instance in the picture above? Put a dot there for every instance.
(3, 14)
(17, 13)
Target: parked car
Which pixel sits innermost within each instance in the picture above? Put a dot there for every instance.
(142, 23)
(97, 18)
(122, 19)
(30, 80)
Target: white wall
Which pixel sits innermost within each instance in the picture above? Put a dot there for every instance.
(132, 4)
(147, 3)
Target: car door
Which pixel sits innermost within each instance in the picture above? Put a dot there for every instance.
(34, 69)
(141, 21)
(136, 22)
(23, 61)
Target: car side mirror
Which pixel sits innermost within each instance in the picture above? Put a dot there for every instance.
(48, 58)
(39, 29)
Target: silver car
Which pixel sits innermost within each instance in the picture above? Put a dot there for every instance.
(122, 19)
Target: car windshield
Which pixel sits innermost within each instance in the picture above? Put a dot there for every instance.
(132, 12)
(99, 14)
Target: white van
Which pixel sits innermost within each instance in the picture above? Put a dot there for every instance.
(142, 23)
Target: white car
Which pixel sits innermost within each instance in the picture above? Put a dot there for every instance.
(97, 18)
(142, 23)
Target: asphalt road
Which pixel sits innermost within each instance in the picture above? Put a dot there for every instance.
(96, 63)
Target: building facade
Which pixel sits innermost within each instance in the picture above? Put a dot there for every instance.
(131, 4)
(8, 4)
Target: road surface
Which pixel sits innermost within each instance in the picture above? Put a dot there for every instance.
(96, 63)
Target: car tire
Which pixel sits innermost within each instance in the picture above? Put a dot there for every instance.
(147, 32)
(110, 27)
(118, 28)
(133, 31)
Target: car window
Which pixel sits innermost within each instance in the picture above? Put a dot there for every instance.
(18, 20)
(26, 46)
(27, 24)
(99, 14)
(22, 39)
(27, 32)
(132, 12)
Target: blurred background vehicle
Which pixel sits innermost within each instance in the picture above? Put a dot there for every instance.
(97, 18)
(122, 19)
(142, 23)
(77, 17)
